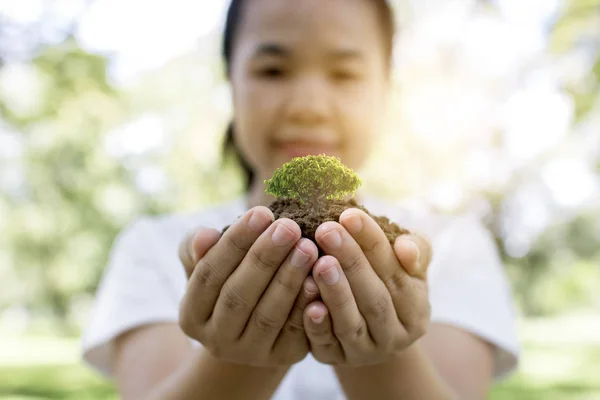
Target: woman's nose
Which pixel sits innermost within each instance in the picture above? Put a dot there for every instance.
(309, 101)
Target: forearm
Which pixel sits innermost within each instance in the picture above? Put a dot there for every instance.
(205, 377)
(410, 375)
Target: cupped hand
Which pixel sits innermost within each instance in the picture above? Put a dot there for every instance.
(247, 290)
(374, 296)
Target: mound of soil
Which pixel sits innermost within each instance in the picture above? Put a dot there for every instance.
(309, 218)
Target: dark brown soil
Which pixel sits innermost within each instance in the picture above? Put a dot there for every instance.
(309, 218)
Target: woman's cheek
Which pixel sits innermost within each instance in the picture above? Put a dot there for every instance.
(256, 111)
(360, 123)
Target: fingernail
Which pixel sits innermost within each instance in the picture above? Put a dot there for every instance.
(332, 239)
(311, 287)
(318, 320)
(299, 258)
(192, 250)
(417, 251)
(353, 223)
(258, 222)
(331, 276)
(282, 236)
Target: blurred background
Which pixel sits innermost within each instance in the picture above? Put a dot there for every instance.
(112, 109)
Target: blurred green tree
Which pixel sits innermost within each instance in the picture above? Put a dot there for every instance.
(61, 222)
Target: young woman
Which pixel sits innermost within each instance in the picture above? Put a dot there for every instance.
(243, 319)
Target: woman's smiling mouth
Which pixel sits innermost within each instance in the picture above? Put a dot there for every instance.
(303, 148)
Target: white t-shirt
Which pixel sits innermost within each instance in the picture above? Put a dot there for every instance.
(145, 281)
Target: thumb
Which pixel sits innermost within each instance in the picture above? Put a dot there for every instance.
(414, 253)
(195, 245)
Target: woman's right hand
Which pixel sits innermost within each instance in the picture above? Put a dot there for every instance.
(248, 288)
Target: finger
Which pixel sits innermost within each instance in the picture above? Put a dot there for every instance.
(349, 325)
(382, 257)
(293, 329)
(195, 245)
(323, 344)
(372, 241)
(273, 308)
(213, 270)
(414, 254)
(372, 297)
(244, 288)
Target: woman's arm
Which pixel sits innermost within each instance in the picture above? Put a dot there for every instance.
(375, 309)
(158, 362)
(446, 363)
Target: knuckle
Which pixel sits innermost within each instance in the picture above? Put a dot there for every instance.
(352, 334)
(297, 311)
(286, 283)
(266, 324)
(295, 324)
(377, 309)
(321, 337)
(376, 247)
(395, 282)
(206, 275)
(294, 328)
(235, 244)
(233, 299)
(343, 301)
(262, 261)
(353, 265)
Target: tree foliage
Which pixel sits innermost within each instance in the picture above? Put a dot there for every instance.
(313, 179)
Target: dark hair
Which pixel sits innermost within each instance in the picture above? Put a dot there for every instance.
(232, 24)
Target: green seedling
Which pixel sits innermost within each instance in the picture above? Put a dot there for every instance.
(313, 179)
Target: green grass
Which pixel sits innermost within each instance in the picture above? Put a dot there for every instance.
(72, 382)
(561, 361)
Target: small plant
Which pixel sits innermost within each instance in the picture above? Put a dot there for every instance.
(313, 179)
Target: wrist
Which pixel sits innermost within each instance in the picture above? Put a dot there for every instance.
(399, 360)
(408, 374)
(206, 358)
(206, 377)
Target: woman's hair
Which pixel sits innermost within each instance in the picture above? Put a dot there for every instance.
(232, 23)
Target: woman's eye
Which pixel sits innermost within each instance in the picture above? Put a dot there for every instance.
(345, 76)
(272, 72)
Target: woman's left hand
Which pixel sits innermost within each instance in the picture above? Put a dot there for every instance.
(375, 300)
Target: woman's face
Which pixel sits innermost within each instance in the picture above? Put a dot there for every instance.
(308, 77)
